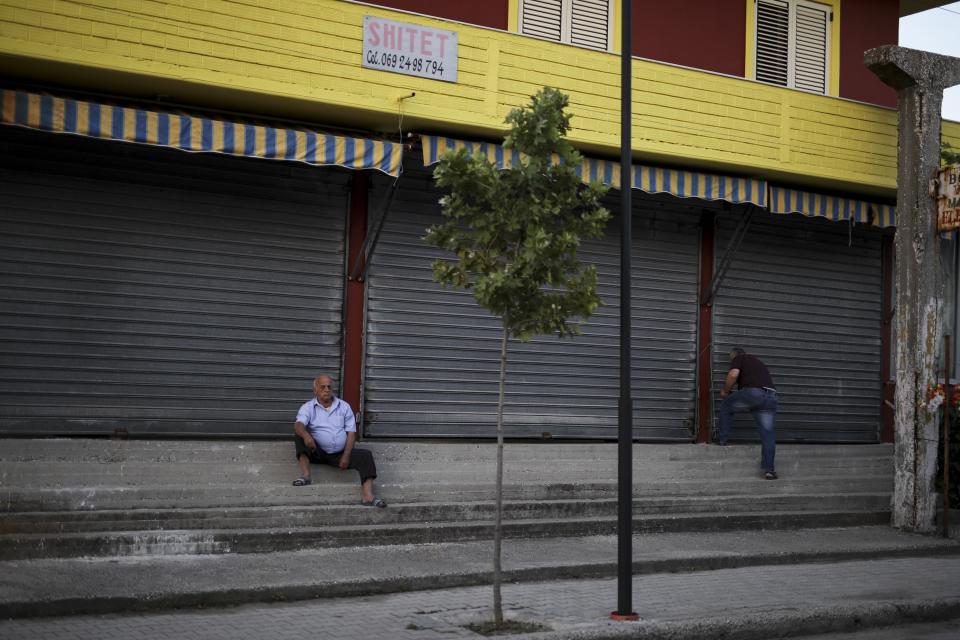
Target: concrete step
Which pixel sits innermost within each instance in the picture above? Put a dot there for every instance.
(64, 497)
(23, 474)
(223, 452)
(53, 587)
(86, 463)
(328, 489)
(295, 516)
(263, 540)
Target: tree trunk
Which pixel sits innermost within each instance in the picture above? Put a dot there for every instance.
(498, 517)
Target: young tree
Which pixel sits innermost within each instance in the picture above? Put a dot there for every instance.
(515, 234)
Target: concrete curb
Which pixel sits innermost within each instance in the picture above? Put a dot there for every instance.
(207, 598)
(779, 624)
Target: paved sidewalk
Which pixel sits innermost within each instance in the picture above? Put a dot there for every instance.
(949, 630)
(746, 603)
(104, 585)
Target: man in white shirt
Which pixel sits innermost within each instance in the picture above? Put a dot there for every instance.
(325, 432)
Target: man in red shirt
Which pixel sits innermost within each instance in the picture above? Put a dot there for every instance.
(755, 393)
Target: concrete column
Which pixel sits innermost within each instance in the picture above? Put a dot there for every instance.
(919, 78)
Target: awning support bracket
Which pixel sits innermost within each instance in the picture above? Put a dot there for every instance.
(732, 247)
(362, 264)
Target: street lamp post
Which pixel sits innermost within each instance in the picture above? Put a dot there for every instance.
(625, 414)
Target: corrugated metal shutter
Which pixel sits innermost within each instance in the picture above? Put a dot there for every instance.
(810, 63)
(589, 23)
(542, 18)
(797, 296)
(773, 41)
(161, 292)
(665, 272)
(432, 355)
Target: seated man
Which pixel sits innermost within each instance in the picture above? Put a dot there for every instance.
(324, 434)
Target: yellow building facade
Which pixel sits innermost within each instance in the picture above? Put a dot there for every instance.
(156, 292)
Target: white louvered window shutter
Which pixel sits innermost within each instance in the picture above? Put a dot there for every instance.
(581, 22)
(589, 23)
(542, 18)
(810, 61)
(793, 44)
(773, 41)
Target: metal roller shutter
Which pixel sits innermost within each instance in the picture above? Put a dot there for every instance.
(432, 355)
(664, 279)
(804, 295)
(156, 291)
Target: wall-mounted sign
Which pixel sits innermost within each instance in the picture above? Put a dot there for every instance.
(409, 48)
(948, 198)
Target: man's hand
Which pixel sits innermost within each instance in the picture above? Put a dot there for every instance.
(308, 440)
(731, 380)
(344, 460)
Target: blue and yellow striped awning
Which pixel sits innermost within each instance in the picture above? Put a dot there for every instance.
(837, 208)
(195, 133)
(683, 184)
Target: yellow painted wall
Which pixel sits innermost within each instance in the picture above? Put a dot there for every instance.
(951, 133)
(302, 59)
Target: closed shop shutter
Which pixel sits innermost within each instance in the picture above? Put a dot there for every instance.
(156, 291)
(665, 272)
(804, 296)
(432, 354)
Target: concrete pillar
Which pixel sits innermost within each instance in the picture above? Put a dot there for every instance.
(919, 78)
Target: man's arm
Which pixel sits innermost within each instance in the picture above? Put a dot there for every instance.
(732, 376)
(350, 426)
(301, 430)
(345, 456)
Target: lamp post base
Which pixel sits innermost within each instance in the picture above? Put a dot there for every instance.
(624, 617)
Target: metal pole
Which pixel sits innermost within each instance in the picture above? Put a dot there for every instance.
(625, 441)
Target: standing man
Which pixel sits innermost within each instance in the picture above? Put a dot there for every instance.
(325, 432)
(756, 394)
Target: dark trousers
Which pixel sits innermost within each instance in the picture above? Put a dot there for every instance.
(762, 404)
(360, 459)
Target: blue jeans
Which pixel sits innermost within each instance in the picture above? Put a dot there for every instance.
(763, 405)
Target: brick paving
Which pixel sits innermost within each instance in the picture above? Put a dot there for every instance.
(569, 607)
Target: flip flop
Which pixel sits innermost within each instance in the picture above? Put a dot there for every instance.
(377, 502)
(302, 482)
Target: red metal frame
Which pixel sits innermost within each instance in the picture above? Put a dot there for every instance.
(354, 320)
(705, 323)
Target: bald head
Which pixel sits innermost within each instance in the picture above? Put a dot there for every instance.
(323, 389)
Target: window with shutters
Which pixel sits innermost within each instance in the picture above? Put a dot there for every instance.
(581, 22)
(793, 42)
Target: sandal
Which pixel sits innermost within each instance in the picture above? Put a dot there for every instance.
(377, 502)
(302, 481)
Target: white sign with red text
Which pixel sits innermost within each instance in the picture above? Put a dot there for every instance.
(412, 49)
(948, 198)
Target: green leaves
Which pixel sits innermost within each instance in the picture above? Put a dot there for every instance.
(513, 234)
